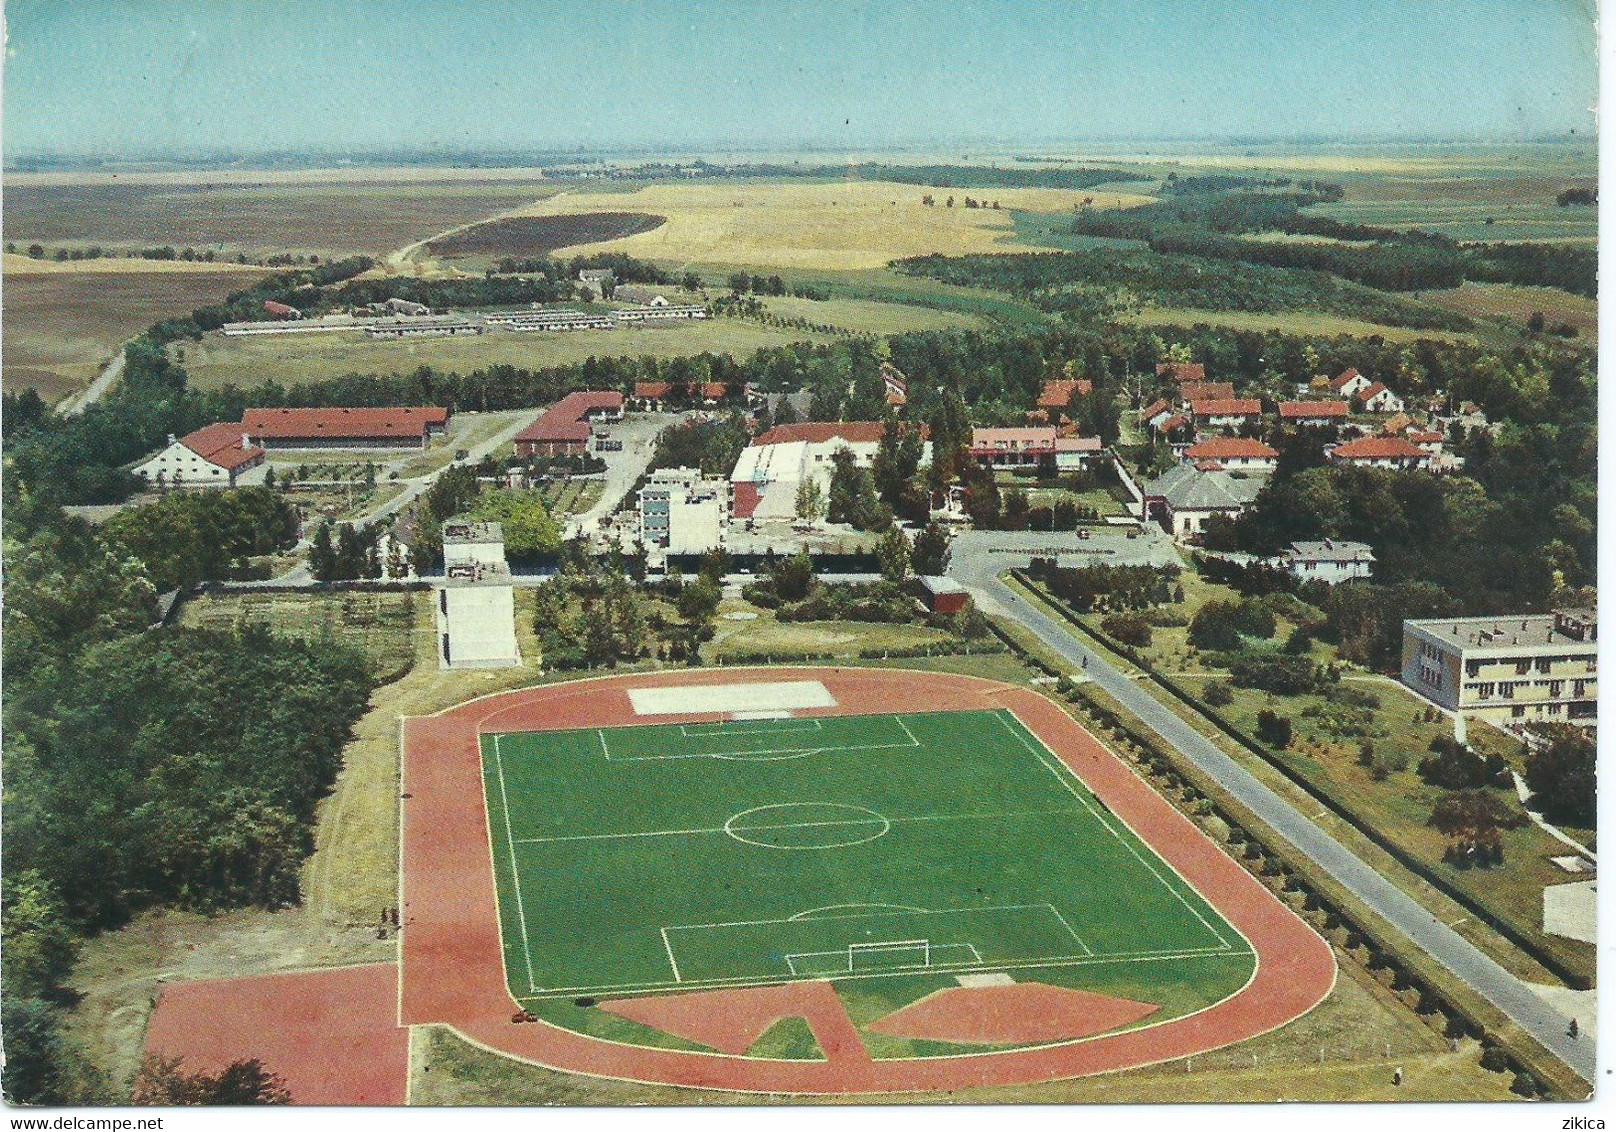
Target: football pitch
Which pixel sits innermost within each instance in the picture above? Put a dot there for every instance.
(696, 856)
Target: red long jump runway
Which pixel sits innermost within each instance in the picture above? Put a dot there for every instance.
(330, 1034)
(453, 967)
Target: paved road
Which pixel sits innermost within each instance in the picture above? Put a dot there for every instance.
(976, 567)
(638, 433)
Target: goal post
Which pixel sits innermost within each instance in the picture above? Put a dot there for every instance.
(888, 954)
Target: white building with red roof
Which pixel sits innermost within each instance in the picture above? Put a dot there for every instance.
(1233, 454)
(1226, 412)
(218, 455)
(1376, 398)
(1313, 412)
(766, 476)
(1349, 384)
(1380, 452)
(1181, 371)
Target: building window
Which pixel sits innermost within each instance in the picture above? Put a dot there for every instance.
(1579, 688)
(1517, 712)
(1486, 691)
(1522, 667)
(1556, 709)
(1556, 688)
(1543, 664)
(1472, 668)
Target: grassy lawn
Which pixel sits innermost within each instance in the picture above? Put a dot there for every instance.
(794, 640)
(1514, 305)
(218, 361)
(378, 624)
(1398, 804)
(1047, 493)
(569, 497)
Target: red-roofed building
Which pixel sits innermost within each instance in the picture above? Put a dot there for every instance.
(1227, 411)
(895, 384)
(280, 310)
(1155, 411)
(1233, 454)
(213, 456)
(345, 428)
(1181, 371)
(1313, 412)
(1057, 394)
(1193, 391)
(1376, 398)
(649, 395)
(1380, 452)
(1350, 383)
(565, 428)
(1171, 423)
(822, 432)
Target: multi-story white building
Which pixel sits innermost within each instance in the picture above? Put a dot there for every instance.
(684, 512)
(1539, 668)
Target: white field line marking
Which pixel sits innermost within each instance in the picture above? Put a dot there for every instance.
(672, 962)
(1086, 948)
(764, 754)
(792, 825)
(952, 968)
(704, 730)
(516, 874)
(1109, 828)
(864, 915)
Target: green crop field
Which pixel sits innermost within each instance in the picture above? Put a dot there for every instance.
(859, 848)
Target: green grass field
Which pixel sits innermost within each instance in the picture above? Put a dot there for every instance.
(856, 848)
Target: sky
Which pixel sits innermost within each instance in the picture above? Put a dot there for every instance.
(131, 77)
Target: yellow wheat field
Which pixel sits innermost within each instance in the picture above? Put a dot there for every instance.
(838, 227)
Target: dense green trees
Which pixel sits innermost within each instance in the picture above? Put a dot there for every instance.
(1561, 775)
(188, 537)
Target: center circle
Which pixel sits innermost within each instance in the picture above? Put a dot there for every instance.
(807, 825)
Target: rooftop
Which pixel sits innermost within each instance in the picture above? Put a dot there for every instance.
(1331, 550)
(1293, 410)
(301, 423)
(466, 530)
(1561, 627)
(1227, 407)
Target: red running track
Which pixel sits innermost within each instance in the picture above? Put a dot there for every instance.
(452, 964)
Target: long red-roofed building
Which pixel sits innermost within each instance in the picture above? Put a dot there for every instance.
(565, 428)
(1380, 452)
(345, 428)
(1233, 453)
(1313, 412)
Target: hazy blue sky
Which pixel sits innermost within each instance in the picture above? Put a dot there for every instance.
(118, 76)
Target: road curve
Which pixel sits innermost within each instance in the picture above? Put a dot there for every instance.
(979, 573)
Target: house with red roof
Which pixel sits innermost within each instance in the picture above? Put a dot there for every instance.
(1181, 371)
(895, 384)
(345, 428)
(1349, 384)
(648, 396)
(1376, 398)
(1232, 454)
(770, 469)
(1057, 394)
(1226, 412)
(1380, 452)
(216, 455)
(566, 428)
(1313, 412)
(1193, 391)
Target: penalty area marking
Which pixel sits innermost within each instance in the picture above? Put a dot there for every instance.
(762, 754)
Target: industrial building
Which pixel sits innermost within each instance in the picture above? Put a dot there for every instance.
(1538, 668)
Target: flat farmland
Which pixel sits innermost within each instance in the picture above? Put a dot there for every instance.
(219, 361)
(827, 226)
(1516, 305)
(1520, 206)
(538, 235)
(61, 327)
(259, 218)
